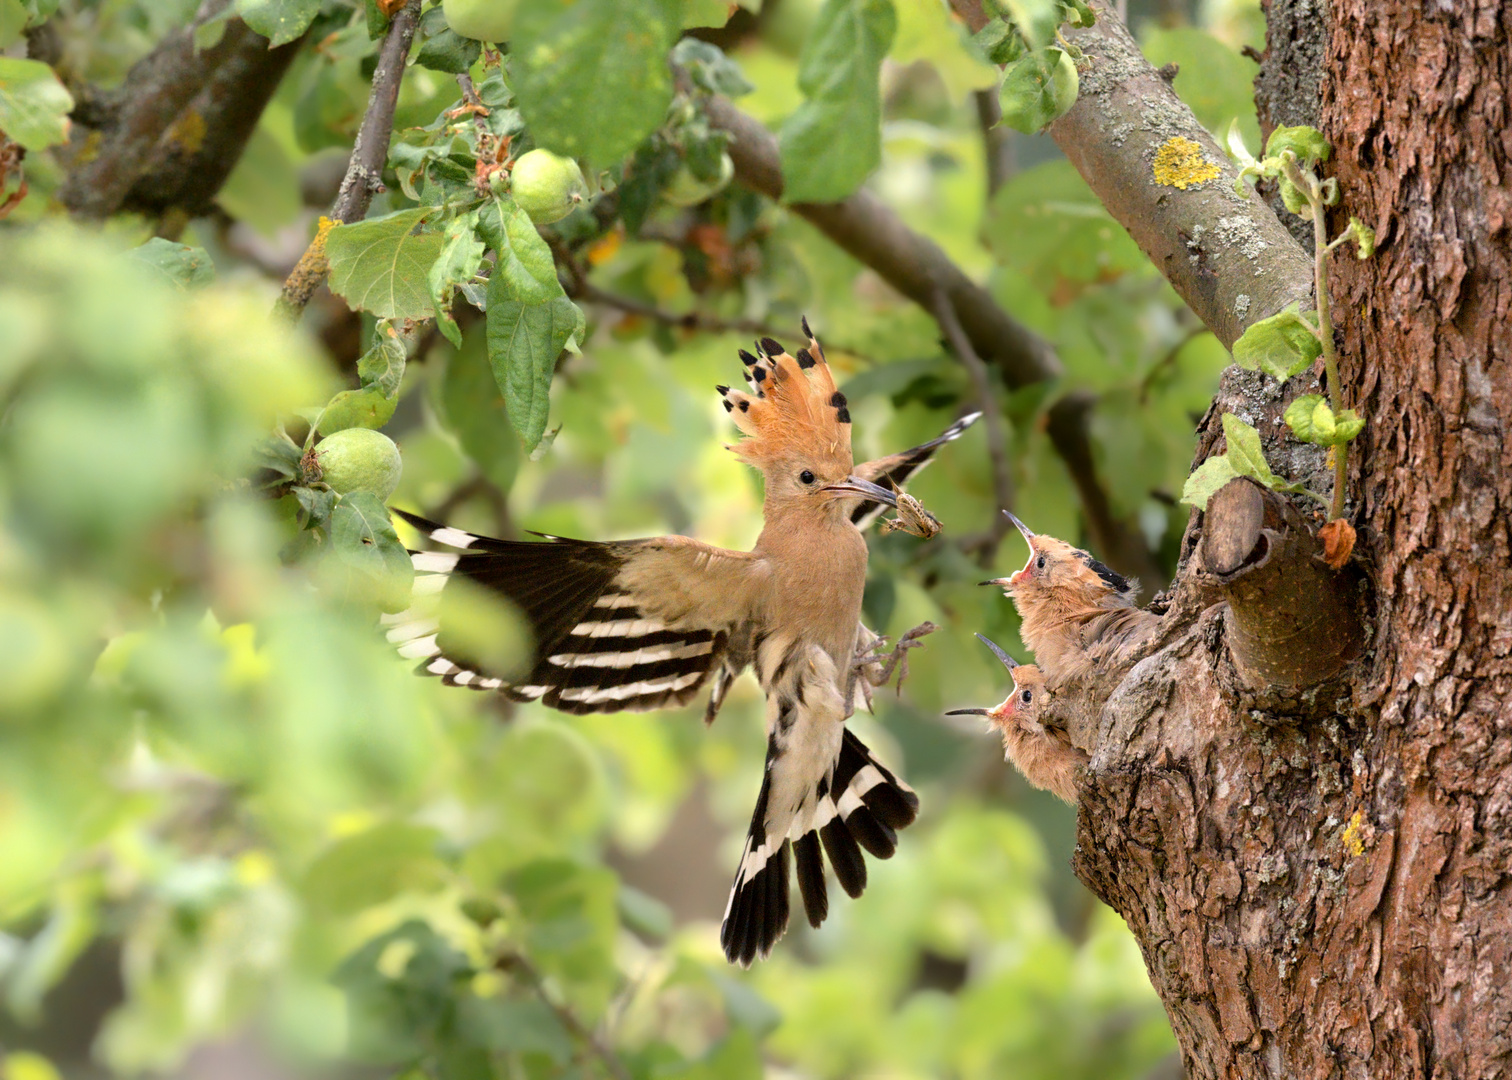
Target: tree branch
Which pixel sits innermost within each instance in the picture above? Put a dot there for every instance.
(1292, 621)
(1227, 255)
(364, 175)
(156, 90)
(997, 140)
(516, 963)
(185, 174)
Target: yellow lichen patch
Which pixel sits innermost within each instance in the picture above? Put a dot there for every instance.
(1179, 163)
(1353, 840)
(188, 131)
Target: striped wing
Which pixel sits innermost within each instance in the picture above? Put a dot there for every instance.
(632, 625)
(898, 468)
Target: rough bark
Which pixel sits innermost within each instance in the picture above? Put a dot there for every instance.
(1319, 878)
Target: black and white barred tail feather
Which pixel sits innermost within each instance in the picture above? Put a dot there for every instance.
(595, 649)
(871, 805)
(896, 469)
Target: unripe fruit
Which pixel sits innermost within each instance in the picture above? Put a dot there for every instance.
(685, 189)
(359, 459)
(485, 20)
(1065, 83)
(546, 186)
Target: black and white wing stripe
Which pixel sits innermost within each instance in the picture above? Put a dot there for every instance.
(821, 788)
(596, 650)
(896, 469)
(860, 806)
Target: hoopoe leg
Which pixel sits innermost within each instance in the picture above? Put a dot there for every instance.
(876, 667)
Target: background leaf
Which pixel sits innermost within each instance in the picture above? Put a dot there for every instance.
(280, 21)
(833, 141)
(592, 75)
(34, 106)
(185, 266)
(1281, 346)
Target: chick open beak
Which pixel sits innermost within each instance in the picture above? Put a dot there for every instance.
(1028, 534)
(857, 488)
(1008, 662)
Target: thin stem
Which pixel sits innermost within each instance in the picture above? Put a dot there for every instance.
(992, 419)
(515, 963)
(365, 167)
(1308, 183)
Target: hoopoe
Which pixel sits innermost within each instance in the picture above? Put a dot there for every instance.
(642, 624)
(1041, 751)
(1076, 612)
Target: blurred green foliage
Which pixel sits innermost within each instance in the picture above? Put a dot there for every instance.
(218, 782)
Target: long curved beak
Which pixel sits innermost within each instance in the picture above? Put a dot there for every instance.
(1008, 662)
(1028, 533)
(967, 712)
(855, 487)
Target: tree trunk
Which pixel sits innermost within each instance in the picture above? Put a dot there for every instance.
(1321, 879)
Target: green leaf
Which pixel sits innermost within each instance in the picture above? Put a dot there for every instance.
(1311, 420)
(525, 263)
(1364, 238)
(401, 991)
(317, 504)
(373, 866)
(368, 407)
(591, 75)
(461, 257)
(474, 412)
(1306, 142)
(1244, 452)
(1036, 20)
(1048, 223)
(367, 561)
(521, 1026)
(442, 48)
(382, 366)
(185, 266)
(833, 141)
(1037, 89)
(711, 13)
(1281, 345)
(34, 106)
(1204, 483)
(524, 341)
(13, 18)
(381, 265)
(280, 21)
(709, 68)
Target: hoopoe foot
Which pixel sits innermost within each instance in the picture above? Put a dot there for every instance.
(876, 667)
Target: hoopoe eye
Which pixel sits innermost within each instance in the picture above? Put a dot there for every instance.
(806, 476)
(1027, 696)
(1039, 563)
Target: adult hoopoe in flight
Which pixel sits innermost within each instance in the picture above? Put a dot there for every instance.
(1041, 751)
(642, 624)
(1078, 615)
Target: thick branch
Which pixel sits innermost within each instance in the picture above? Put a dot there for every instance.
(1292, 621)
(364, 175)
(1227, 255)
(204, 144)
(157, 89)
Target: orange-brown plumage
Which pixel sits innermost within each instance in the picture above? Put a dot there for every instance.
(1076, 612)
(1041, 751)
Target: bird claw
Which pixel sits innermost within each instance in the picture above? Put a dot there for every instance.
(876, 667)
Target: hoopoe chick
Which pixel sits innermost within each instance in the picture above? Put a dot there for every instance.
(643, 624)
(1075, 610)
(1042, 752)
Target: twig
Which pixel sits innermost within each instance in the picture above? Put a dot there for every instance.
(992, 419)
(1308, 183)
(997, 140)
(477, 485)
(365, 167)
(516, 964)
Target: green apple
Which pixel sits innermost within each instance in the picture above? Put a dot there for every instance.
(359, 459)
(546, 186)
(685, 189)
(485, 20)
